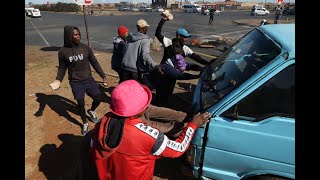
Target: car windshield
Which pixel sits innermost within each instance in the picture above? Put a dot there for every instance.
(236, 65)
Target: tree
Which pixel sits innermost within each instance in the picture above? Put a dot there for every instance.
(30, 3)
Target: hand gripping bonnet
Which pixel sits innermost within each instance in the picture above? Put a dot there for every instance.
(130, 98)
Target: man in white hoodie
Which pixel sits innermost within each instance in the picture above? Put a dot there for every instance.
(136, 59)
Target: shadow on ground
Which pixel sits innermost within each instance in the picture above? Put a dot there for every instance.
(61, 105)
(51, 48)
(172, 169)
(61, 163)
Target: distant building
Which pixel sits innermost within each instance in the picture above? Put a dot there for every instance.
(163, 3)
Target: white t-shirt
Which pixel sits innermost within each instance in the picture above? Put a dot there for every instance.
(167, 42)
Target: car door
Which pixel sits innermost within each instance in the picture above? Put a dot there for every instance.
(253, 129)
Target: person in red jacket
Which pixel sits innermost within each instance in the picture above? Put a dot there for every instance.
(123, 147)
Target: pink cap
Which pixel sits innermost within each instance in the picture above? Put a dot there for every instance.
(130, 98)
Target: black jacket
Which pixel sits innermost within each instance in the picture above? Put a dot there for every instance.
(175, 48)
(77, 59)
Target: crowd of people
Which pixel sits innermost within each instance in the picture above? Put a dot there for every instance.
(134, 133)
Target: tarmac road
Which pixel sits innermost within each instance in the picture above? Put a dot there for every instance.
(48, 30)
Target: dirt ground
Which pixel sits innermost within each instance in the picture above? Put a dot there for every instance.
(52, 123)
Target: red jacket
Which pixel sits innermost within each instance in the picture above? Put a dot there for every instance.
(141, 145)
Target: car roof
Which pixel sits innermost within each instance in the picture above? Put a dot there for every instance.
(283, 34)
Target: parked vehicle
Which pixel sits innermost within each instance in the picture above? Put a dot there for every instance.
(217, 12)
(145, 9)
(158, 9)
(124, 8)
(28, 11)
(205, 8)
(35, 13)
(259, 11)
(191, 8)
(250, 92)
(134, 9)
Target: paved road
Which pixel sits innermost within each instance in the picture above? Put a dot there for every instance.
(48, 30)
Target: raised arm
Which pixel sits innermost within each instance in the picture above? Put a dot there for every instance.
(158, 34)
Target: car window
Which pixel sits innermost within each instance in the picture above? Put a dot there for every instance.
(276, 97)
(236, 65)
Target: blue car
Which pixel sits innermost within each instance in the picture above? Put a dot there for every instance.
(250, 92)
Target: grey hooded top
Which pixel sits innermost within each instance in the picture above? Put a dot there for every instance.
(136, 57)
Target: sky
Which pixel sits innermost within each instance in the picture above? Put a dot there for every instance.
(114, 1)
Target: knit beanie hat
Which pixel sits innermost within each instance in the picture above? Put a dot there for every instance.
(122, 30)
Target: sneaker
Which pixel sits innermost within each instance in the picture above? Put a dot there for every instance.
(84, 129)
(93, 115)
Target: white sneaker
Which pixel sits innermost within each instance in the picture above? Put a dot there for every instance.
(93, 115)
(85, 129)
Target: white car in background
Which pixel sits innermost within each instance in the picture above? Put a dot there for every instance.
(145, 9)
(36, 13)
(158, 9)
(124, 8)
(259, 11)
(217, 12)
(134, 9)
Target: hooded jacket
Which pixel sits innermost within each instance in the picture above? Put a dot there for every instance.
(136, 57)
(117, 55)
(134, 157)
(77, 59)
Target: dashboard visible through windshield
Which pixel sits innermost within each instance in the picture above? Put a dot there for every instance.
(235, 66)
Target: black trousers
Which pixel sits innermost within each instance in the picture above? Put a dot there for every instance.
(126, 75)
(210, 19)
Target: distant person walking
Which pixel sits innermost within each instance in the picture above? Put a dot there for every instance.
(77, 58)
(211, 13)
(277, 15)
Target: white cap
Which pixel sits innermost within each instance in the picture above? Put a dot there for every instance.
(142, 23)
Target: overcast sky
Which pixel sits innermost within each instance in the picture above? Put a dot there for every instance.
(148, 1)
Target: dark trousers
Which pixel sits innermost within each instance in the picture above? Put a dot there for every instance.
(126, 75)
(163, 91)
(210, 19)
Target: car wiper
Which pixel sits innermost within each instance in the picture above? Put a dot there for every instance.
(268, 115)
